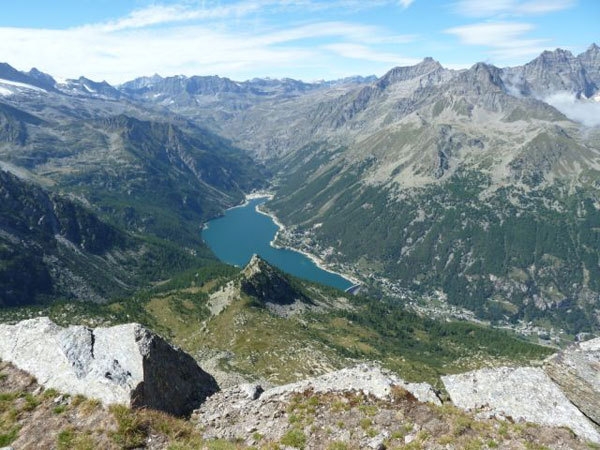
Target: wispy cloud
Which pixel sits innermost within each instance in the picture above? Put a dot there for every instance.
(491, 33)
(506, 39)
(169, 14)
(358, 51)
(502, 28)
(510, 8)
(239, 39)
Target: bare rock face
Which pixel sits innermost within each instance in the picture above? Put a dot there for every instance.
(524, 393)
(124, 364)
(577, 371)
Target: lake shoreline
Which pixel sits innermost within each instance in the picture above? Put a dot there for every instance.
(314, 258)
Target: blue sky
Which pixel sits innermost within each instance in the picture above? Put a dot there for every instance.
(118, 40)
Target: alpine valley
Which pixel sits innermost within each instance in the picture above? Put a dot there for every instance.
(436, 187)
(466, 204)
(457, 190)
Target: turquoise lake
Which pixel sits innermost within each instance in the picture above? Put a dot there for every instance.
(243, 231)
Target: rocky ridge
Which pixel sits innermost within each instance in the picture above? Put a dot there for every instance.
(558, 70)
(272, 289)
(241, 411)
(49, 419)
(368, 407)
(128, 364)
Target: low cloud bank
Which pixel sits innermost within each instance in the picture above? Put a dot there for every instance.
(586, 112)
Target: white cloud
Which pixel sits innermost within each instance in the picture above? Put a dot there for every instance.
(478, 8)
(358, 51)
(406, 3)
(119, 56)
(503, 31)
(586, 112)
(176, 13)
(544, 6)
(490, 33)
(231, 39)
(504, 8)
(506, 40)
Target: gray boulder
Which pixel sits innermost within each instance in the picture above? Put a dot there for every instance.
(577, 371)
(125, 364)
(522, 394)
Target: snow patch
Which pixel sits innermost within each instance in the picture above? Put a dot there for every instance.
(21, 85)
(89, 89)
(61, 81)
(5, 92)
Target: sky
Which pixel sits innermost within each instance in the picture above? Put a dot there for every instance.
(119, 40)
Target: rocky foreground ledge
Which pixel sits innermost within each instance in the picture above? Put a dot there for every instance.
(364, 405)
(239, 412)
(564, 393)
(125, 364)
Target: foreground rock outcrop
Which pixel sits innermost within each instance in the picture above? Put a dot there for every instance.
(577, 371)
(125, 364)
(336, 420)
(521, 394)
(231, 413)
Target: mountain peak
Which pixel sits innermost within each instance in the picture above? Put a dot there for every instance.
(254, 266)
(592, 53)
(404, 73)
(428, 60)
(42, 77)
(34, 77)
(557, 56)
(8, 72)
(268, 285)
(484, 75)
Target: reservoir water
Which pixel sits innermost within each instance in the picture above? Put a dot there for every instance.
(243, 231)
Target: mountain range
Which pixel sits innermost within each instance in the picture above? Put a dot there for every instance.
(473, 189)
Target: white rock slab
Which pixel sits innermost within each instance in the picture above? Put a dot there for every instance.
(124, 364)
(523, 393)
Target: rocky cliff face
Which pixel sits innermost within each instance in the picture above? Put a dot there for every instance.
(577, 371)
(124, 364)
(51, 246)
(558, 70)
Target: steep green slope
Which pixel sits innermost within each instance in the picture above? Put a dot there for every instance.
(151, 177)
(468, 195)
(147, 176)
(128, 189)
(507, 254)
(51, 247)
